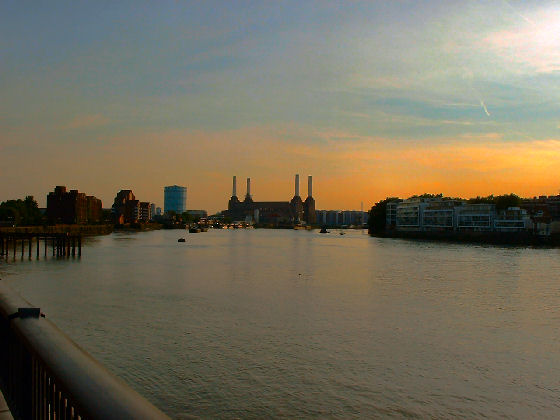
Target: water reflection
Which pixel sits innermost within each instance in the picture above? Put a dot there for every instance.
(261, 323)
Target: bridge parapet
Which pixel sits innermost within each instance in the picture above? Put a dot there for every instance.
(45, 375)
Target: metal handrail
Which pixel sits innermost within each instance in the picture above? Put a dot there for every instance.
(45, 375)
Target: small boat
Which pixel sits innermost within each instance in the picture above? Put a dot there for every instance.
(194, 230)
(181, 240)
(324, 230)
(341, 233)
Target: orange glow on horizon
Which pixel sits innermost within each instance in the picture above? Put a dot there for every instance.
(346, 169)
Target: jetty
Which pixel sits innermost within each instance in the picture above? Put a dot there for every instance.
(61, 244)
(60, 241)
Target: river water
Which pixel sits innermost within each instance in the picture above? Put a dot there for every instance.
(295, 324)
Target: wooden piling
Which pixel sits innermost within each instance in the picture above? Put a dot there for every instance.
(63, 244)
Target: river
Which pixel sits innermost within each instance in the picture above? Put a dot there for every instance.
(295, 324)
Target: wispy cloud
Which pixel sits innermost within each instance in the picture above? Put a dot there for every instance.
(534, 45)
(86, 122)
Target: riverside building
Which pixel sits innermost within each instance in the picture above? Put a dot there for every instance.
(428, 214)
(274, 213)
(126, 208)
(391, 213)
(475, 217)
(72, 207)
(340, 218)
(175, 199)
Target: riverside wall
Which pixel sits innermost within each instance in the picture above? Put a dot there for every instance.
(84, 230)
(491, 238)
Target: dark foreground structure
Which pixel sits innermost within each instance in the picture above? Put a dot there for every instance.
(275, 213)
(62, 244)
(45, 375)
(72, 207)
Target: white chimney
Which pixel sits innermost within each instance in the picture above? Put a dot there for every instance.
(297, 185)
(310, 186)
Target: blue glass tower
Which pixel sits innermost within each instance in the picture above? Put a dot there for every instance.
(175, 199)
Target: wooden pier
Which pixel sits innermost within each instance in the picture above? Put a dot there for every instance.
(23, 243)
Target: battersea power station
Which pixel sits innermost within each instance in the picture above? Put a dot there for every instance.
(275, 213)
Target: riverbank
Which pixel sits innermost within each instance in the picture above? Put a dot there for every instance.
(73, 230)
(490, 238)
(138, 227)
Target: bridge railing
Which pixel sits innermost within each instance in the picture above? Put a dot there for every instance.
(45, 375)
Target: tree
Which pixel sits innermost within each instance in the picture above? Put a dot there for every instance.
(378, 215)
(481, 200)
(502, 202)
(428, 195)
(508, 200)
(21, 212)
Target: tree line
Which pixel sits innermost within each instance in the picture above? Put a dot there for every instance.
(21, 212)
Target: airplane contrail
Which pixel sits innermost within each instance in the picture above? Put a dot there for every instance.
(483, 105)
(522, 16)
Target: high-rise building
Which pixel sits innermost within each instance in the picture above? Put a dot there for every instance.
(145, 214)
(72, 207)
(175, 199)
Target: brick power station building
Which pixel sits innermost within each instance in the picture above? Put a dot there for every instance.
(273, 212)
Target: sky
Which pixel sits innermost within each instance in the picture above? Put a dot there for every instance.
(372, 98)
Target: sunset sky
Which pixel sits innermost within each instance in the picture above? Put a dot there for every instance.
(372, 98)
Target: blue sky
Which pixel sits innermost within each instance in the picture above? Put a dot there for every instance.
(145, 94)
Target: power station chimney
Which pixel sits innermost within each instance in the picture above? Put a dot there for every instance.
(297, 185)
(248, 187)
(310, 186)
(234, 186)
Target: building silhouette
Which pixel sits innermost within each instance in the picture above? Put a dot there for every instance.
(145, 214)
(175, 199)
(72, 207)
(275, 213)
(126, 208)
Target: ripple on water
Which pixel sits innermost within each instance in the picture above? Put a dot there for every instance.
(293, 324)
